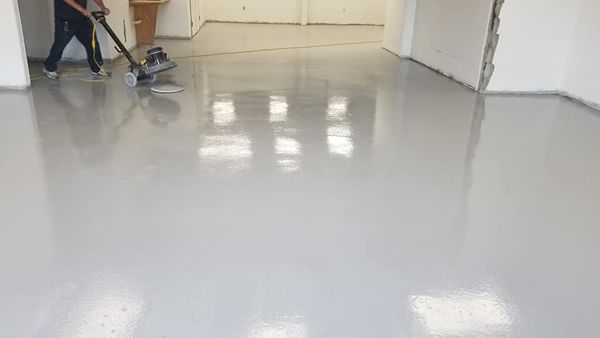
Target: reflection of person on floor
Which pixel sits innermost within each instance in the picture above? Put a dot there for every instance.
(71, 18)
(84, 119)
(158, 110)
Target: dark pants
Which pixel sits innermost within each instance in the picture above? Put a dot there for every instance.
(63, 33)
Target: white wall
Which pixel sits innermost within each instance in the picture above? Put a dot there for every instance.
(176, 16)
(12, 52)
(549, 46)
(198, 15)
(582, 71)
(450, 36)
(534, 45)
(174, 19)
(290, 11)
(173, 22)
(409, 27)
(275, 11)
(399, 26)
(347, 11)
(37, 19)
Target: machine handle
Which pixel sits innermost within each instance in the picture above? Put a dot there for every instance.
(99, 16)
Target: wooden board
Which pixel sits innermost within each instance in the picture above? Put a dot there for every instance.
(147, 13)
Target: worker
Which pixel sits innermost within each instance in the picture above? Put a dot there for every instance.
(72, 18)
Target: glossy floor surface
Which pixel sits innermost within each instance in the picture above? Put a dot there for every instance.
(315, 192)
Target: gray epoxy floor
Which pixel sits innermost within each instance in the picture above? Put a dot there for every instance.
(323, 192)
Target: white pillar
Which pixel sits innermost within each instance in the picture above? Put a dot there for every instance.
(15, 72)
(304, 18)
(399, 22)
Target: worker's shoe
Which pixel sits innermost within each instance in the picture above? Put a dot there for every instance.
(50, 75)
(102, 72)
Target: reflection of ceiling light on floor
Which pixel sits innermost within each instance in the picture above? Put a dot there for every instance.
(462, 314)
(343, 130)
(223, 110)
(226, 147)
(339, 140)
(288, 151)
(278, 330)
(225, 154)
(337, 108)
(288, 165)
(340, 146)
(278, 108)
(287, 146)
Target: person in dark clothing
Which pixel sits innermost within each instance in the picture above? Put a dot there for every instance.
(72, 19)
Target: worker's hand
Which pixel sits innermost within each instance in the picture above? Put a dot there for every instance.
(86, 13)
(106, 11)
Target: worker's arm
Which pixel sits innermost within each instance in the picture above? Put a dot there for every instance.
(102, 7)
(78, 7)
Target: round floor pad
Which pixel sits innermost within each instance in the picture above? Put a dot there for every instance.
(166, 88)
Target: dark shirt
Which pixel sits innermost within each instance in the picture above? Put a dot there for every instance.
(63, 11)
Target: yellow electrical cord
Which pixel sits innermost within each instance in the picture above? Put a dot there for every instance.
(94, 57)
(94, 46)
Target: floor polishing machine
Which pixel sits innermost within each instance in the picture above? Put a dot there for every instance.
(156, 61)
